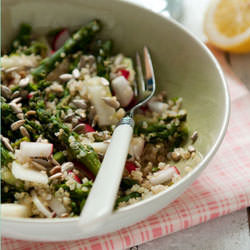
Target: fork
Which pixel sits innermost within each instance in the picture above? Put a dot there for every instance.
(101, 199)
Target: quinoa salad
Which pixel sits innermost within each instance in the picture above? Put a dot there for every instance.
(62, 95)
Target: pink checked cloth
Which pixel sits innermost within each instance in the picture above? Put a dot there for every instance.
(223, 188)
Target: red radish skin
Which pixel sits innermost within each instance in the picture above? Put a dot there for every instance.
(60, 39)
(52, 149)
(30, 95)
(144, 108)
(88, 128)
(130, 166)
(76, 177)
(125, 73)
(176, 170)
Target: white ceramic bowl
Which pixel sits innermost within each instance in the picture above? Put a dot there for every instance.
(184, 67)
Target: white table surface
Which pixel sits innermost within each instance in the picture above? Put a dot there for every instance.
(229, 232)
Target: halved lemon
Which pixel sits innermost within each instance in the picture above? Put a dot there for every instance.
(227, 25)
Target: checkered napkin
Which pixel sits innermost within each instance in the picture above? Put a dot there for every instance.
(223, 187)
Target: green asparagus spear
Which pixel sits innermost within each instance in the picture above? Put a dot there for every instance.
(52, 124)
(79, 41)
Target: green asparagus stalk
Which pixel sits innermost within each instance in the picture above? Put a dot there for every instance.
(79, 40)
(83, 153)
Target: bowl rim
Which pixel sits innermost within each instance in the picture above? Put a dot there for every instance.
(202, 164)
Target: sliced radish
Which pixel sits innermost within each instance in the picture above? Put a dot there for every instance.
(23, 172)
(130, 166)
(76, 177)
(176, 170)
(123, 90)
(14, 210)
(36, 149)
(60, 39)
(136, 147)
(88, 129)
(99, 147)
(125, 73)
(128, 62)
(57, 206)
(96, 92)
(158, 107)
(163, 175)
(44, 210)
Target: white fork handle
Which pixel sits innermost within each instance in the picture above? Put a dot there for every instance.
(101, 199)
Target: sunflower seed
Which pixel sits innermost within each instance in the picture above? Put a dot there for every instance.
(55, 176)
(65, 77)
(64, 215)
(194, 136)
(16, 100)
(6, 143)
(24, 82)
(42, 162)
(11, 69)
(191, 149)
(30, 112)
(15, 94)
(24, 131)
(175, 156)
(5, 91)
(82, 62)
(68, 117)
(67, 166)
(80, 128)
(54, 170)
(20, 116)
(16, 125)
(15, 108)
(80, 103)
(76, 73)
(111, 101)
(53, 161)
(38, 166)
